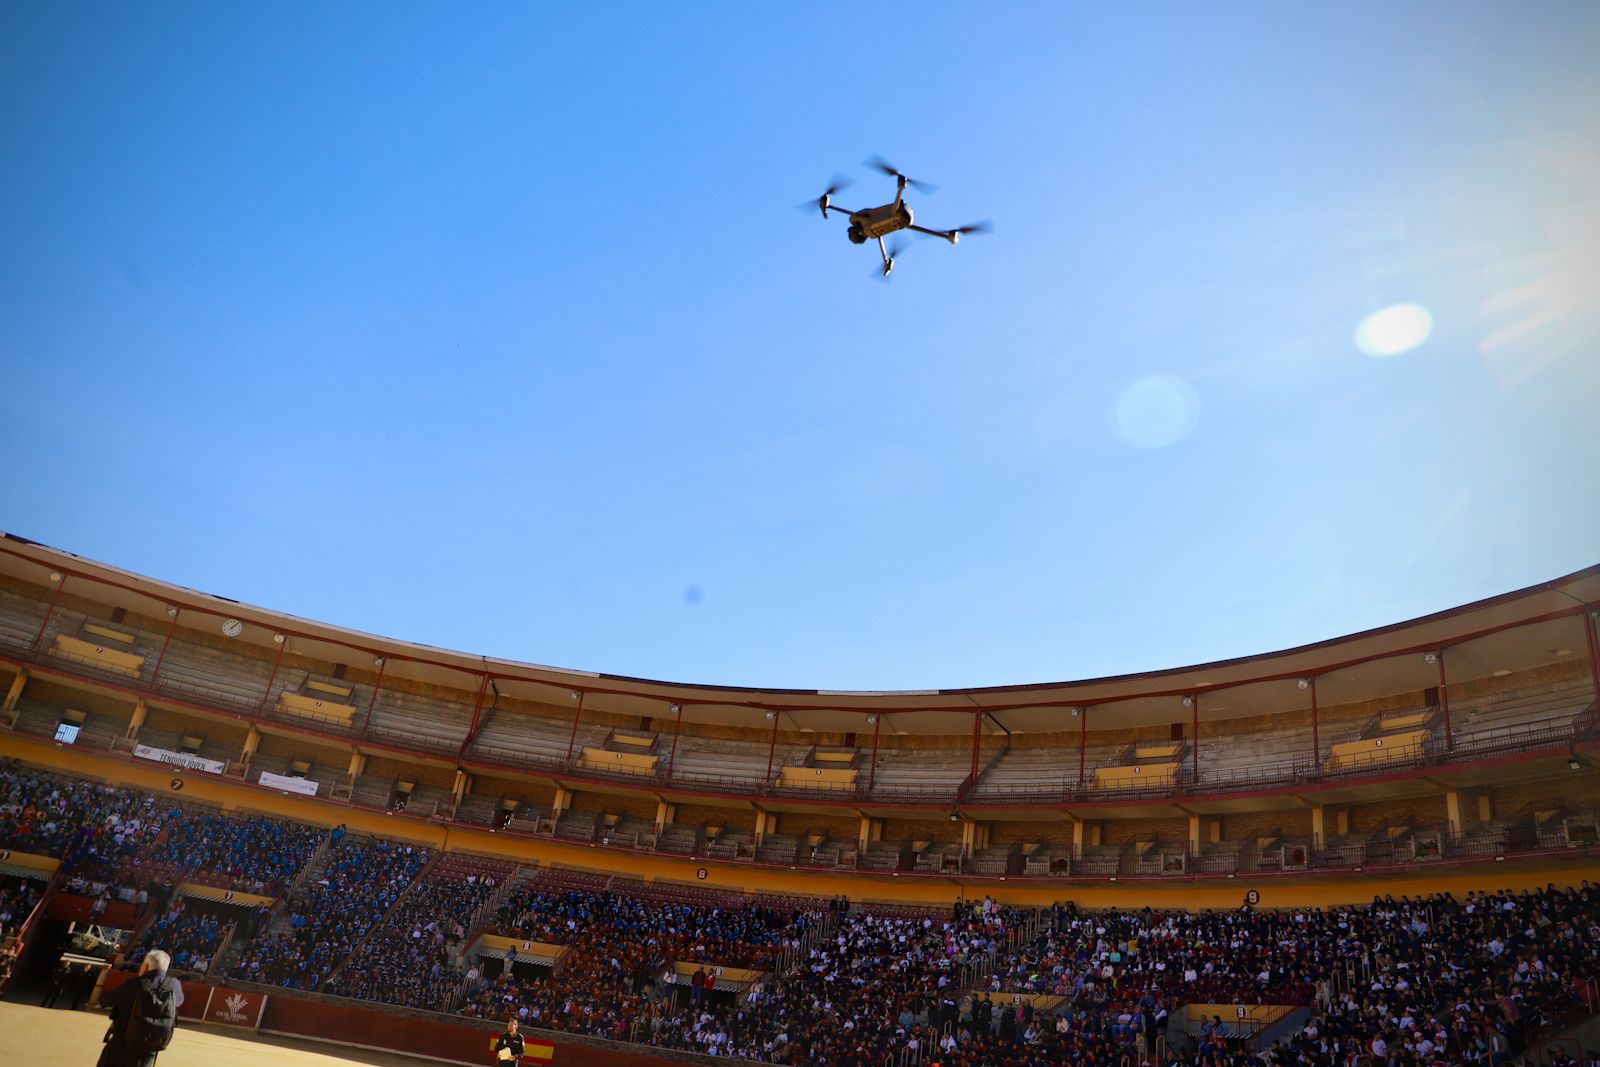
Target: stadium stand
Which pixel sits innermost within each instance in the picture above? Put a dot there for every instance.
(1329, 771)
(359, 881)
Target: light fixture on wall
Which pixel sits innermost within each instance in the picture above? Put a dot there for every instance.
(277, 639)
(172, 611)
(1076, 711)
(677, 709)
(1574, 762)
(573, 695)
(1188, 702)
(1304, 683)
(872, 720)
(1430, 657)
(377, 661)
(55, 576)
(770, 715)
(954, 817)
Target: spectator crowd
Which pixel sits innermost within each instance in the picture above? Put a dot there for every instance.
(412, 957)
(1427, 981)
(105, 834)
(363, 878)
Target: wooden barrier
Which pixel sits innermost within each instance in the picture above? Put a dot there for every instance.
(29, 861)
(1135, 776)
(603, 759)
(196, 996)
(1045, 1002)
(832, 778)
(110, 659)
(77, 908)
(1348, 754)
(106, 633)
(299, 704)
(224, 896)
(533, 951)
(455, 1040)
(737, 975)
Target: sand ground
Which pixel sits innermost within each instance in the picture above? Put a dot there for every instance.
(46, 1037)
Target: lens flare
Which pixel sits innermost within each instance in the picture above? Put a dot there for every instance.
(1393, 330)
(1155, 412)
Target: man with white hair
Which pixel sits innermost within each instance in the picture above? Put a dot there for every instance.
(144, 1011)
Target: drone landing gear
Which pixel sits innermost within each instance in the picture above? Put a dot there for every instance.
(888, 260)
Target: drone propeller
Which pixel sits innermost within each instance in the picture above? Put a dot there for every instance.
(840, 182)
(976, 227)
(879, 163)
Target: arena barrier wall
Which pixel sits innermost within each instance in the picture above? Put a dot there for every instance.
(196, 998)
(439, 1038)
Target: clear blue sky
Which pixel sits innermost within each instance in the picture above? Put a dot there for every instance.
(494, 326)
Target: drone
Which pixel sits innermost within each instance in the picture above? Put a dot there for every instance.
(876, 223)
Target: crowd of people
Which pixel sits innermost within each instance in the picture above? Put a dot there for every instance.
(362, 880)
(99, 832)
(741, 936)
(412, 958)
(1414, 982)
(18, 896)
(192, 931)
(614, 945)
(254, 854)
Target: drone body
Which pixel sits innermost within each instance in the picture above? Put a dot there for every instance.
(876, 223)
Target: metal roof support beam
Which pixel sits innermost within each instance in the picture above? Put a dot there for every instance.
(576, 719)
(1083, 740)
(872, 768)
(277, 661)
(772, 748)
(165, 641)
(1194, 743)
(1444, 705)
(383, 664)
(1316, 739)
(977, 738)
(1590, 634)
(677, 726)
(51, 610)
(477, 718)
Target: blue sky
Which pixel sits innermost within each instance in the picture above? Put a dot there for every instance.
(494, 327)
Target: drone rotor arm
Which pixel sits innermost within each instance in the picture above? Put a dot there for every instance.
(948, 235)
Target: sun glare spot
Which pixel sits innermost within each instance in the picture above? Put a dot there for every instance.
(1155, 412)
(1393, 330)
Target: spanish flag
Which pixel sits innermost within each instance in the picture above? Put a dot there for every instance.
(533, 1048)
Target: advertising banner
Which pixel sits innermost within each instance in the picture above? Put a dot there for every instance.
(179, 759)
(303, 786)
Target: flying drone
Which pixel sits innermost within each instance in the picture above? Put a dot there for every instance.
(876, 223)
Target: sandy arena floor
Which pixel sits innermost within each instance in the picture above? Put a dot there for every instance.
(42, 1037)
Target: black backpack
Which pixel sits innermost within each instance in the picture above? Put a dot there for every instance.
(154, 1015)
